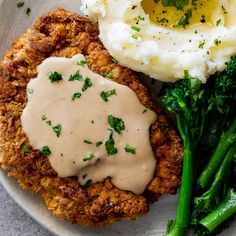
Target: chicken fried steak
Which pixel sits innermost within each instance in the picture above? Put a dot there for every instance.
(64, 34)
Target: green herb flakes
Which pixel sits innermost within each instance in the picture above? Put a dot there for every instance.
(87, 141)
(76, 76)
(46, 151)
(28, 10)
(20, 4)
(81, 63)
(54, 76)
(84, 176)
(49, 122)
(136, 28)
(130, 149)
(145, 110)
(87, 84)
(89, 157)
(99, 143)
(110, 145)
(108, 75)
(57, 130)
(134, 36)
(218, 22)
(201, 44)
(184, 20)
(25, 148)
(76, 95)
(116, 123)
(30, 90)
(88, 183)
(43, 117)
(114, 60)
(217, 41)
(106, 94)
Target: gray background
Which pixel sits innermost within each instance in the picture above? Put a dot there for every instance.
(14, 221)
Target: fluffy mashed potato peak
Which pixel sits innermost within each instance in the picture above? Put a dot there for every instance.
(163, 41)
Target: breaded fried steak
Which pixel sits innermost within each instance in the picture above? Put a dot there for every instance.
(64, 34)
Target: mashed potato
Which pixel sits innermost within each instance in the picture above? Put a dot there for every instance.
(165, 41)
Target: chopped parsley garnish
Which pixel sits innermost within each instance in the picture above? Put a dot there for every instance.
(136, 28)
(184, 20)
(163, 20)
(25, 148)
(30, 90)
(54, 76)
(201, 44)
(116, 123)
(87, 141)
(106, 94)
(217, 41)
(57, 130)
(99, 143)
(81, 63)
(49, 122)
(134, 36)
(218, 22)
(76, 76)
(87, 84)
(224, 10)
(84, 176)
(114, 60)
(186, 74)
(43, 117)
(108, 75)
(130, 149)
(46, 151)
(28, 10)
(88, 183)
(76, 95)
(145, 110)
(89, 157)
(20, 4)
(179, 4)
(110, 145)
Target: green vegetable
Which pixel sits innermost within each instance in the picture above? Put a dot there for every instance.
(226, 139)
(186, 99)
(30, 90)
(87, 84)
(195, 105)
(116, 123)
(110, 145)
(76, 76)
(226, 209)
(130, 149)
(106, 94)
(57, 129)
(46, 150)
(54, 77)
(211, 198)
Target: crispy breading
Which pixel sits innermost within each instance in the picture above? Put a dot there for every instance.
(62, 33)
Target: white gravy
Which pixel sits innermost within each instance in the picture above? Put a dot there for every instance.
(84, 125)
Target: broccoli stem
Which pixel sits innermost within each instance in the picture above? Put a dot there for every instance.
(185, 196)
(226, 139)
(226, 209)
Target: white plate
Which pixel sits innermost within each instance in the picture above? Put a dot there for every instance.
(14, 22)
